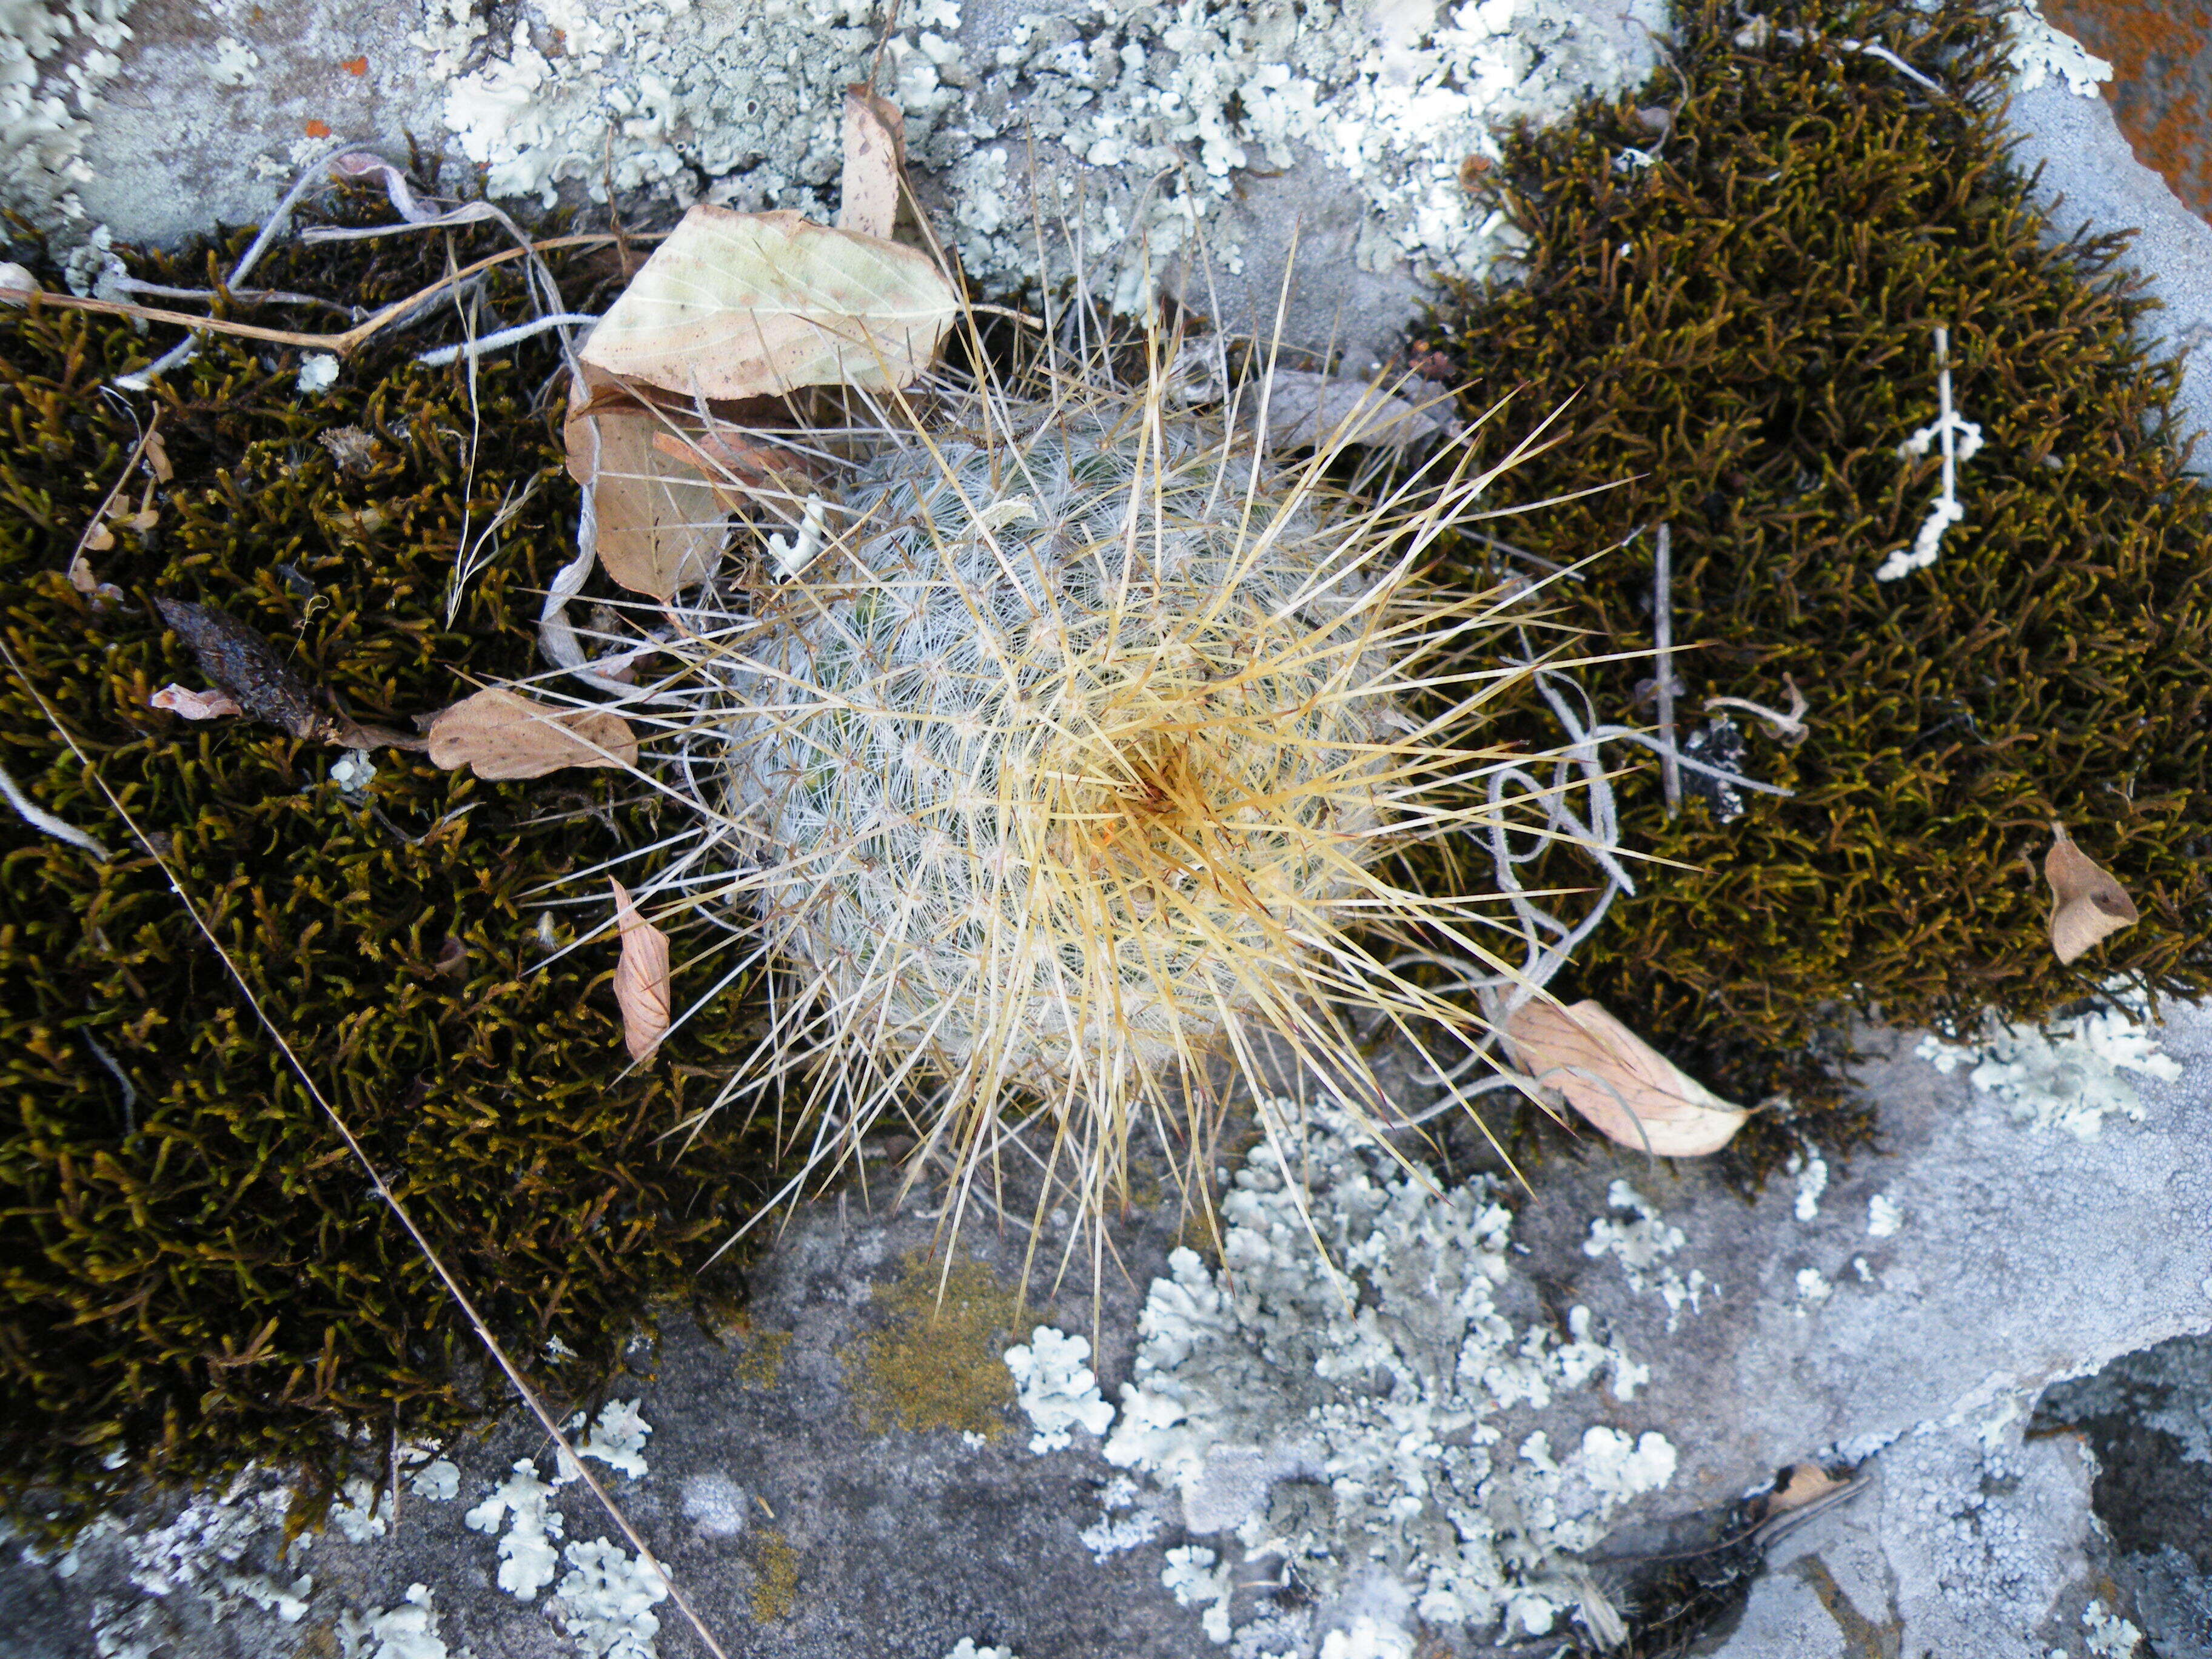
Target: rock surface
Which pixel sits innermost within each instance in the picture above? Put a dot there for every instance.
(1170, 140)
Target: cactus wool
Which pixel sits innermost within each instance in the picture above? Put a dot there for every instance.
(1069, 748)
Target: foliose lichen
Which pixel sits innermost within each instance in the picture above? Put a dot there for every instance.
(1335, 1399)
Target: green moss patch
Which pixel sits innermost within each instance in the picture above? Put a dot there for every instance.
(193, 1270)
(1747, 327)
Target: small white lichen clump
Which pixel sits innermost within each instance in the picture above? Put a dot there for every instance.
(2070, 1074)
(2039, 52)
(1347, 1428)
(1056, 1388)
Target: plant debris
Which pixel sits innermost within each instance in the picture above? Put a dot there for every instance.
(2087, 905)
(1630, 1092)
(503, 735)
(747, 305)
(246, 667)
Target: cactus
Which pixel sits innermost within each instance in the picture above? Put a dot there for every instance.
(1078, 751)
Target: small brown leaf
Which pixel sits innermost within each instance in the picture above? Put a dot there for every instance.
(505, 735)
(194, 705)
(2087, 903)
(738, 304)
(660, 526)
(641, 977)
(1633, 1094)
(875, 153)
(1799, 1485)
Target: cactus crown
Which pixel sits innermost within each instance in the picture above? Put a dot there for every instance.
(1078, 751)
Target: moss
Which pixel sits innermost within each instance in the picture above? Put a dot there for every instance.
(938, 1361)
(775, 1578)
(193, 1271)
(1745, 371)
(760, 1365)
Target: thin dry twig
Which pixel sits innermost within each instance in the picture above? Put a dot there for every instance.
(80, 568)
(338, 344)
(1662, 628)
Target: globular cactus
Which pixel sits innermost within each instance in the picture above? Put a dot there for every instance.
(1078, 752)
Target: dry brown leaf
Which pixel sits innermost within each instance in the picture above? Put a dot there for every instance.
(1799, 1485)
(504, 734)
(660, 525)
(2086, 904)
(641, 977)
(737, 305)
(1632, 1093)
(737, 466)
(194, 705)
(875, 153)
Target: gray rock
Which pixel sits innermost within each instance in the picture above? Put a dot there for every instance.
(2091, 177)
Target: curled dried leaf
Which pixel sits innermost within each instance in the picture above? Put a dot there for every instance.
(641, 977)
(2086, 904)
(1630, 1091)
(194, 705)
(505, 735)
(739, 305)
(875, 151)
(659, 524)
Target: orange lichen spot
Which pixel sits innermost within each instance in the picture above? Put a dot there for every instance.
(317, 128)
(2158, 54)
(355, 66)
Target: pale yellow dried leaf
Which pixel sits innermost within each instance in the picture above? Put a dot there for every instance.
(875, 151)
(660, 525)
(2086, 904)
(504, 735)
(194, 705)
(1627, 1090)
(641, 977)
(745, 305)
